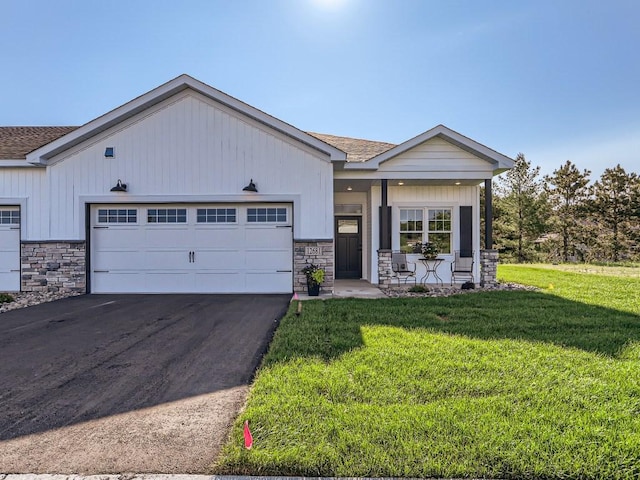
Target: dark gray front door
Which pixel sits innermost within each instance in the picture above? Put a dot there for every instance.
(348, 247)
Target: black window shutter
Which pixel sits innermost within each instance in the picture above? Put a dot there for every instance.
(466, 231)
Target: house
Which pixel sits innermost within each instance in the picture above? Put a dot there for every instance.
(187, 189)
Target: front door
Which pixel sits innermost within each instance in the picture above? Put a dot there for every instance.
(348, 247)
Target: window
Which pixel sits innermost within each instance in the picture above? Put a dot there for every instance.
(347, 225)
(268, 214)
(216, 215)
(117, 215)
(167, 215)
(413, 231)
(10, 217)
(344, 209)
(439, 229)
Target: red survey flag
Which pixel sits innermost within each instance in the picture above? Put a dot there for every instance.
(248, 438)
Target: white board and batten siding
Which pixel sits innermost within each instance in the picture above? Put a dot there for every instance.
(28, 188)
(9, 248)
(435, 197)
(189, 148)
(199, 248)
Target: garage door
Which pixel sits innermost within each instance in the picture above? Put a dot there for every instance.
(9, 249)
(191, 248)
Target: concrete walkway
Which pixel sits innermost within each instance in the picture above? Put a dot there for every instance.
(347, 289)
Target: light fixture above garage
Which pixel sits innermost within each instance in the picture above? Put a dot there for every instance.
(109, 152)
(251, 187)
(120, 187)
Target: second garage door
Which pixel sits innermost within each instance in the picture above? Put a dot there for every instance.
(243, 248)
(9, 249)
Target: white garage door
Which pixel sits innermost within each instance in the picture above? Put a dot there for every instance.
(9, 249)
(191, 248)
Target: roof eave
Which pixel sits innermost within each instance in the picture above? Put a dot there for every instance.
(16, 163)
(41, 155)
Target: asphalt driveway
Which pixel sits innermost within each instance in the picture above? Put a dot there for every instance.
(127, 383)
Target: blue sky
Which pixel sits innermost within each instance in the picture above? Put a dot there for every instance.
(557, 80)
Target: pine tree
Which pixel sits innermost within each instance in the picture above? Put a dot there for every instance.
(614, 209)
(568, 191)
(521, 209)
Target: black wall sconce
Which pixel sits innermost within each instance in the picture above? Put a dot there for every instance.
(251, 187)
(120, 187)
(109, 152)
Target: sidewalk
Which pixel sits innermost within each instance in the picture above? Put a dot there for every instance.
(347, 289)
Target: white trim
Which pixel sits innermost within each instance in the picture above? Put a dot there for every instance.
(438, 178)
(17, 163)
(157, 95)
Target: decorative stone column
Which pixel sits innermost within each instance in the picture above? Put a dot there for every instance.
(53, 266)
(488, 268)
(318, 252)
(384, 268)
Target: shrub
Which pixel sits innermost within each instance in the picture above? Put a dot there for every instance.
(6, 298)
(418, 289)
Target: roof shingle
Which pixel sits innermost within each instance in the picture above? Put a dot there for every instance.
(357, 150)
(16, 142)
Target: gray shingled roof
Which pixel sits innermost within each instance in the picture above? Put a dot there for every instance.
(357, 150)
(16, 142)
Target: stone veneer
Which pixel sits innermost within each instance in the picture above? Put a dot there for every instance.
(488, 268)
(385, 272)
(323, 259)
(57, 266)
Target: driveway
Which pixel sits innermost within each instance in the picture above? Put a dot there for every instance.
(127, 383)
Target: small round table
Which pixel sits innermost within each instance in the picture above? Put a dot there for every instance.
(431, 265)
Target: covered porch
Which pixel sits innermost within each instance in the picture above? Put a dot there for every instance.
(374, 218)
(424, 190)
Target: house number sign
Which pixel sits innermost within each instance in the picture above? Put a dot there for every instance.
(312, 250)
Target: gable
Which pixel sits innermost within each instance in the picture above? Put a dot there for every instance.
(146, 102)
(422, 147)
(435, 155)
(187, 127)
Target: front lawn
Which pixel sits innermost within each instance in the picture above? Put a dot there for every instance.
(497, 384)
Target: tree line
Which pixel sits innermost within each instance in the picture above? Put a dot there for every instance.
(566, 216)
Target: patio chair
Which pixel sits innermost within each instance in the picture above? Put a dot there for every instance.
(402, 269)
(462, 266)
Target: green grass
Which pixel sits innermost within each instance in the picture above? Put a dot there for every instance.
(617, 288)
(495, 384)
